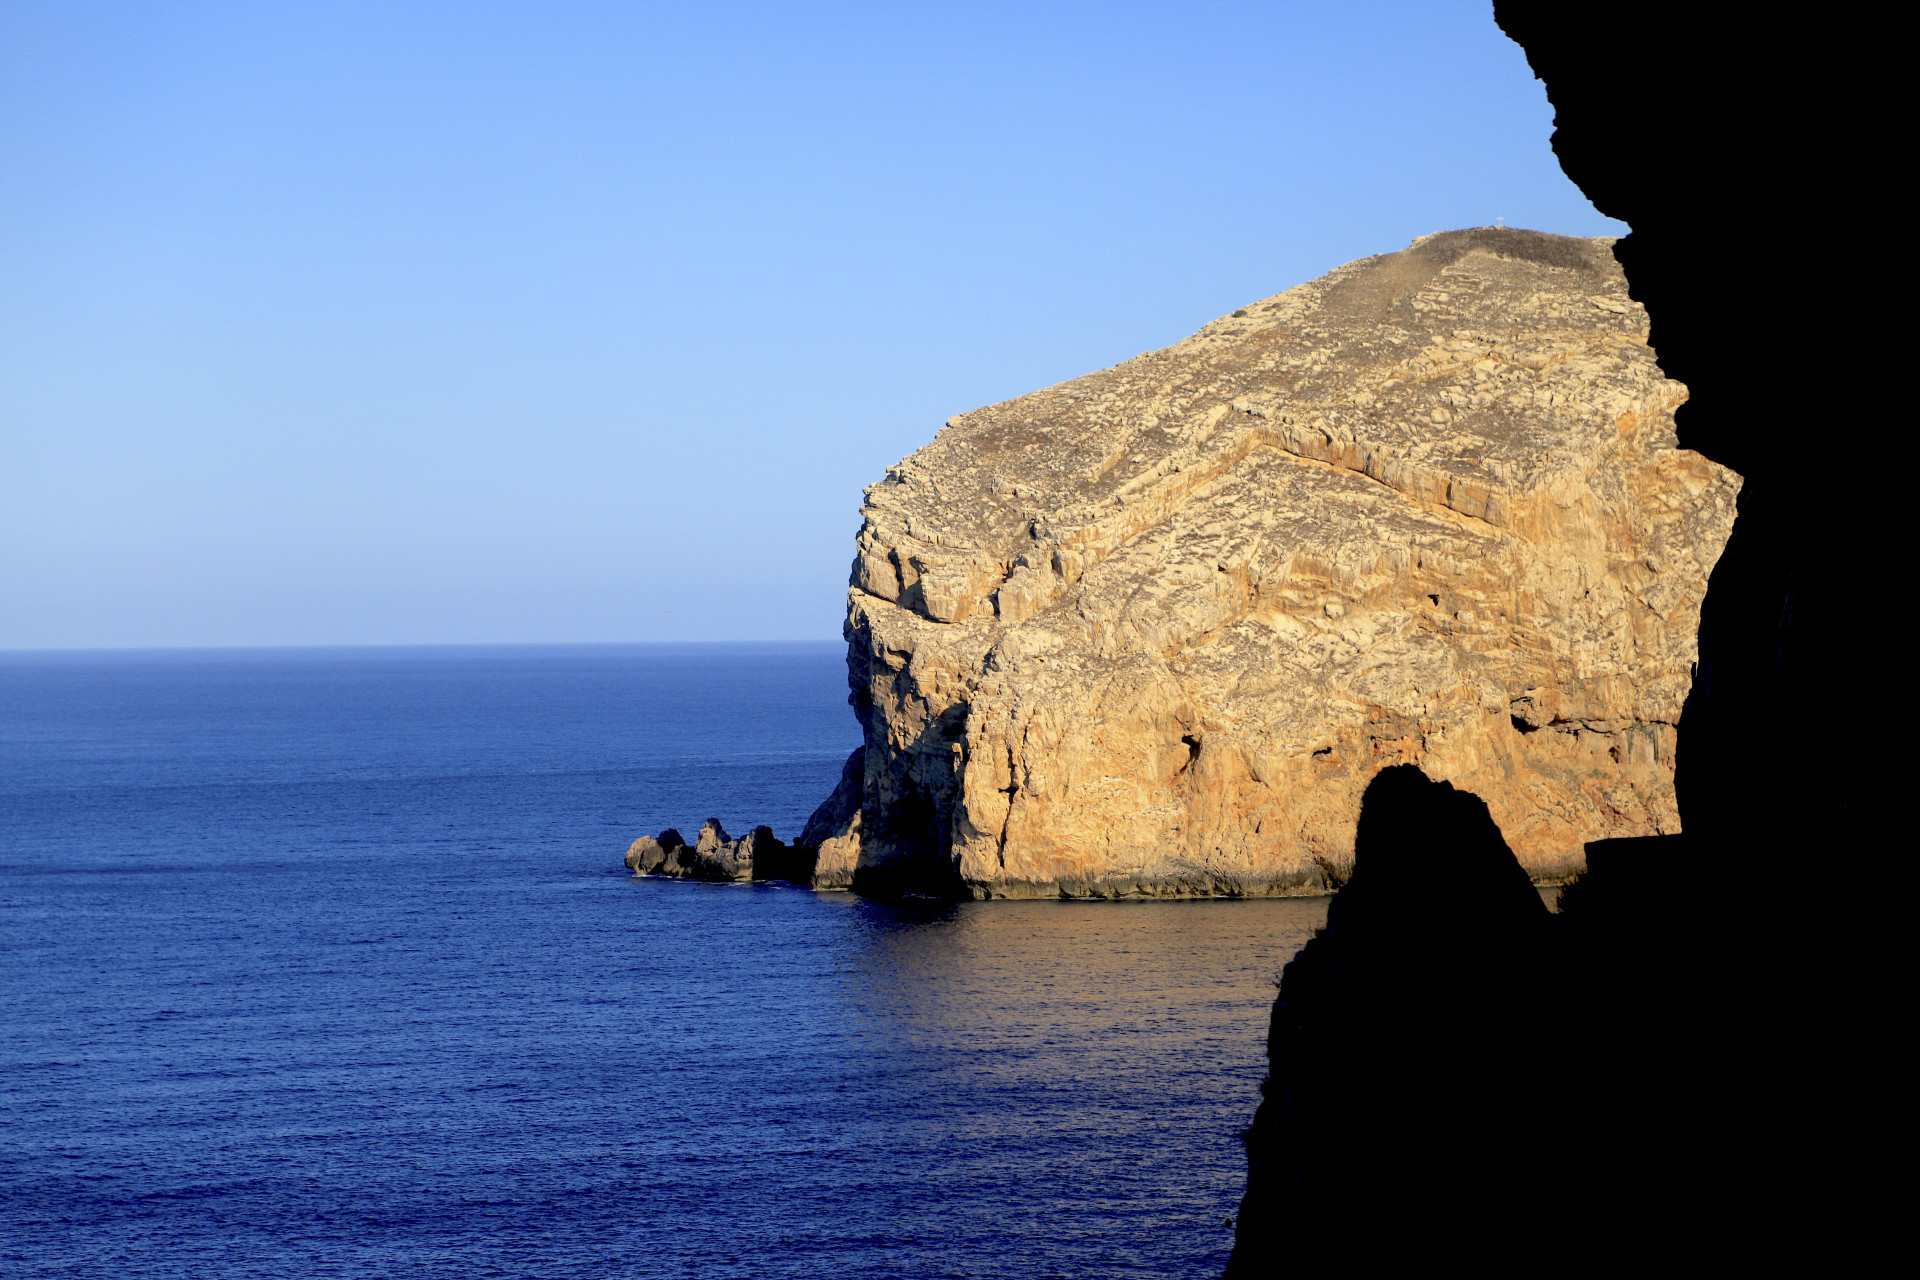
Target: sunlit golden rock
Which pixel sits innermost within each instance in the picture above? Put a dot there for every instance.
(1153, 630)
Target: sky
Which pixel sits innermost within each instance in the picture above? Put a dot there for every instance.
(401, 323)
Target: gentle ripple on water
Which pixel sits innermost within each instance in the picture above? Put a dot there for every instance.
(322, 965)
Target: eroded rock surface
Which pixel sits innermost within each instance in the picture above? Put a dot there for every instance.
(1153, 630)
(714, 855)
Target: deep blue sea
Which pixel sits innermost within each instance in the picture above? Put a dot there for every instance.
(324, 963)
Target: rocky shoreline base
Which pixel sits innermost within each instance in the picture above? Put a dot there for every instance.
(761, 855)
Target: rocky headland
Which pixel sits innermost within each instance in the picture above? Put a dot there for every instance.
(1152, 631)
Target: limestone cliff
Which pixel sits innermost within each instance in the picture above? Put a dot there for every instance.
(1153, 630)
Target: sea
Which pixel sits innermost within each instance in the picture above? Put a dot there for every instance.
(325, 963)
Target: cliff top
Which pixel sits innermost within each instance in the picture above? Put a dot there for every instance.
(1437, 353)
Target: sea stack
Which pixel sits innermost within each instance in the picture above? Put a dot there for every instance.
(1153, 631)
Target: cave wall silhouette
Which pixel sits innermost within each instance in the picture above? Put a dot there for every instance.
(1396, 1037)
(1702, 1052)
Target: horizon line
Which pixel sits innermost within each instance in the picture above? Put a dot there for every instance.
(7, 651)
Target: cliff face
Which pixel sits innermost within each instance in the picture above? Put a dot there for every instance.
(1153, 630)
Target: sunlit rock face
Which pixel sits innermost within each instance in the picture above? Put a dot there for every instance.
(1153, 630)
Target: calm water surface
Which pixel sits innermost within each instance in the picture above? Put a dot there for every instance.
(324, 964)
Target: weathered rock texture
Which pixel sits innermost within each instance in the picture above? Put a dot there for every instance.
(714, 855)
(1153, 630)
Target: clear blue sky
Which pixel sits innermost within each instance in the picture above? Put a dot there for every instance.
(411, 322)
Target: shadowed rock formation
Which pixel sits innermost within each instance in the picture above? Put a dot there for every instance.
(1150, 632)
(1774, 138)
(1728, 1083)
(1406, 1045)
(831, 839)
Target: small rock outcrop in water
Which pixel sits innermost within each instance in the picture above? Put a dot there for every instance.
(758, 855)
(1152, 631)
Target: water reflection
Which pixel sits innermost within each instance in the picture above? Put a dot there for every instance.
(1075, 1073)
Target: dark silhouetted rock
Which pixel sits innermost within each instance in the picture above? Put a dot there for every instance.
(1714, 1063)
(1409, 1043)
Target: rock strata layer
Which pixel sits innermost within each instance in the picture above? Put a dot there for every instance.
(1152, 631)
